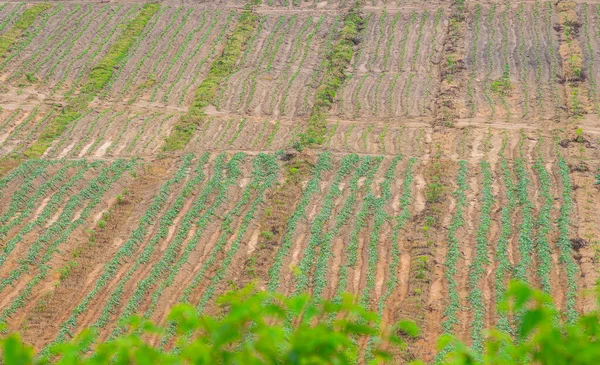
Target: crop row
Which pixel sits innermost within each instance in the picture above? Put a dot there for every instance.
(471, 102)
(544, 226)
(477, 268)
(452, 256)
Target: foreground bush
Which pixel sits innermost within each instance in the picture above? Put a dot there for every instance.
(262, 328)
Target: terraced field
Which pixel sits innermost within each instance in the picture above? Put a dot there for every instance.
(416, 154)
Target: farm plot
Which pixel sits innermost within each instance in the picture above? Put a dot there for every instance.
(281, 69)
(512, 62)
(20, 127)
(394, 72)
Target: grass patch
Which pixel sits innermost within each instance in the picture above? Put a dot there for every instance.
(25, 21)
(337, 62)
(221, 68)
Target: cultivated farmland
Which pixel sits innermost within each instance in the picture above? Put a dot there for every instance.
(419, 155)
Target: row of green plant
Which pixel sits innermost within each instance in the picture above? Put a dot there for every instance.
(200, 65)
(480, 260)
(544, 226)
(324, 163)
(491, 45)
(471, 79)
(158, 133)
(18, 172)
(154, 76)
(100, 34)
(126, 250)
(379, 41)
(564, 244)
(526, 228)
(335, 75)
(419, 38)
(453, 254)
(8, 19)
(205, 93)
(538, 58)
(590, 56)
(63, 227)
(522, 63)
(24, 124)
(10, 118)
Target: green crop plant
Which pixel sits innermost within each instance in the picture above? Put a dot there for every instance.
(452, 256)
(83, 140)
(102, 133)
(19, 197)
(205, 93)
(390, 41)
(331, 133)
(319, 223)
(478, 266)
(523, 63)
(120, 134)
(407, 27)
(323, 164)
(159, 130)
(259, 136)
(223, 132)
(198, 47)
(590, 57)
(407, 92)
(23, 124)
(419, 38)
(131, 145)
(132, 50)
(237, 132)
(6, 21)
(380, 39)
(10, 118)
(347, 134)
(391, 94)
(98, 78)
(355, 94)
(242, 62)
(266, 49)
(382, 136)
(477, 26)
(544, 224)
(538, 59)
(271, 135)
(365, 135)
(127, 249)
(175, 60)
(218, 183)
(26, 20)
(375, 108)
